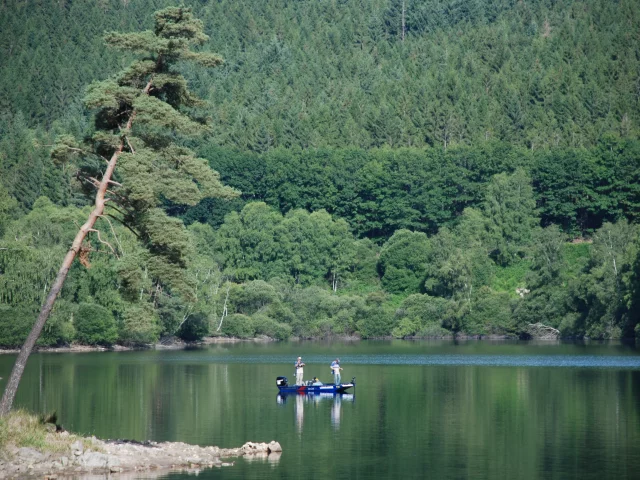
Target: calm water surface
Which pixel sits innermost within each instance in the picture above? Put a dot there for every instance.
(420, 409)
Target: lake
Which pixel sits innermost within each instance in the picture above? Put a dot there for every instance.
(436, 409)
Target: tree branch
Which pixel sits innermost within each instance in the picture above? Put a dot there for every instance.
(124, 224)
(130, 146)
(113, 232)
(104, 242)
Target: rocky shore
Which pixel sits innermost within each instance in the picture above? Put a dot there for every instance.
(94, 456)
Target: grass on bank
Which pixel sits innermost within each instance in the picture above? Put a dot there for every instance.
(23, 429)
(507, 279)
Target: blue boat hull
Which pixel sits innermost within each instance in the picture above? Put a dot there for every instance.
(326, 388)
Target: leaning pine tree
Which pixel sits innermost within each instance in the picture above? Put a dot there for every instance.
(138, 115)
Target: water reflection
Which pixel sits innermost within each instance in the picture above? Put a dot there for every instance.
(272, 458)
(559, 411)
(335, 412)
(299, 413)
(300, 399)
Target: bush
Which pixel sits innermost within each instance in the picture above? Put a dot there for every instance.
(95, 325)
(406, 328)
(422, 316)
(268, 326)
(238, 325)
(376, 320)
(434, 330)
(490, 314)
(402, 263)
(15, 324)
(194, 328)
(253, 296)
(140, 325)
(59, 329)
(425, 308)
(377, 324)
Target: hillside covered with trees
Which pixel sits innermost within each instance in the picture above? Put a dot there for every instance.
(475, 172)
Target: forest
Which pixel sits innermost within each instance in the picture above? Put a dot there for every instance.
(368, 169)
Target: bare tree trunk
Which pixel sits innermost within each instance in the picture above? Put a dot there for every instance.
(18, 368)
(224, 308)
(185, 317)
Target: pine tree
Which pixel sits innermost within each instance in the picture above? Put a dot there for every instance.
(138, 112)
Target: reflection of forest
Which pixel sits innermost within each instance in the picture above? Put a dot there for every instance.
(499, 419)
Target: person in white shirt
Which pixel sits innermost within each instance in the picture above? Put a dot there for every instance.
(335, 369)
(299, 371)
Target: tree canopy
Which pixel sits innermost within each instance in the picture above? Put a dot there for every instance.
(462, 168)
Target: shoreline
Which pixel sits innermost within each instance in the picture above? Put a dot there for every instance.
(61, 454)
(182, 345)
(174, 345)
(99, 457)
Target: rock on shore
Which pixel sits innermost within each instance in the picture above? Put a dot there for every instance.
(109, 457)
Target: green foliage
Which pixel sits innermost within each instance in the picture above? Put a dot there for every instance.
(8, 209)
(374, 163)
(59, 329)
(253, 297)
(548, 300)
(30, 252)
(194, 328)
(548, 259)
(508, 279)
(239, 326)
(376, 325)
(140, 325)
(15, 325)
(137, 115)
(490, 314)
(576, 255)
(95, 325)
(599, 293)
(380, 191)
(402, 263)
(422, 316)
(378, 320)
(457, 265)
(309, 248)
(315, 74)
(573, 287)
(267, 326)
(25, 170)
(510, 209)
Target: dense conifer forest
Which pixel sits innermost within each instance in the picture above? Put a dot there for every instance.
(405, 168)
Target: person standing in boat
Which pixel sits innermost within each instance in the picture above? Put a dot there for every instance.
(335, 369)
(299, 371)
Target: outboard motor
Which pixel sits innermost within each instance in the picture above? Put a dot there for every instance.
(281, 382)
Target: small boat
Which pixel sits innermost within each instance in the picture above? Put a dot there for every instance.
(313, 387)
